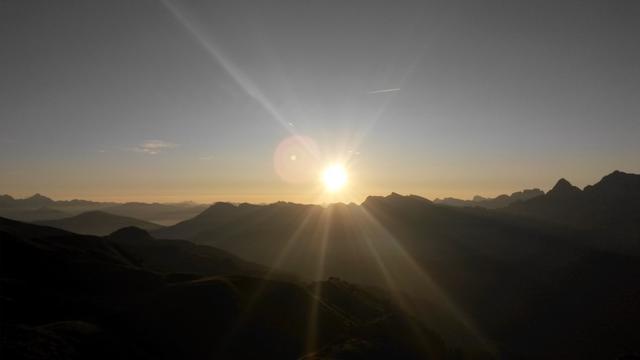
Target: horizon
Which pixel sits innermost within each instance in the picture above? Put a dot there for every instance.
(545, 190)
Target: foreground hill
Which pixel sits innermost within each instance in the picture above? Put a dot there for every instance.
(68, 296)
(98, 223)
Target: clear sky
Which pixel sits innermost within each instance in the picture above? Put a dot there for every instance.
(189, 100)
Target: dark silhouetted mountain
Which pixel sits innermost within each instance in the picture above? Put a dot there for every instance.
(111, 297)
(43, 213)
(130, 235)
(609, 209)
(6, 200)
(563, 188)
(180, 256)
(514, 277)
(495, 203)
(98, 223)
(30, 209)
(217, 214)
(165, 214)
(504, 283)
(37, 201)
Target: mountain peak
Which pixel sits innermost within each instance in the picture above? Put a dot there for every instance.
(395, 198)
(39, 197)
(622, 183)
(617, 177)
(37, 200)
(563, 187)
(6, 198)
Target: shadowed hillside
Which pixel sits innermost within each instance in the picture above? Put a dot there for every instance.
(98, 223)
(131, 296)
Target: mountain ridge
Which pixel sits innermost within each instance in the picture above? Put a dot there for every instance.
(97, 223)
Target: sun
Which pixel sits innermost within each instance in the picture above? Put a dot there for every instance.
(334, 177)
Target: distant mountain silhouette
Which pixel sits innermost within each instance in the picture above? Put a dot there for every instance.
(494, 203)
(158, 213)
(98, 223)
(37, 200)
(42, 213)
(116, 297)
(33, 209)
(217, 214)
(609, 209)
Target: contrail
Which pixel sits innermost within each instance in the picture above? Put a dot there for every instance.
(383, 91)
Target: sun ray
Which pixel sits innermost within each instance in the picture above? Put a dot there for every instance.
(274, 266)
(312, 328)
(374, 225)
(241, 79)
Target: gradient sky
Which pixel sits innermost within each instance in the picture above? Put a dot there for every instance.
(188, 100)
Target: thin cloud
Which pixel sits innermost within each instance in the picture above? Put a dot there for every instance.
(381, 91)
(154, 147)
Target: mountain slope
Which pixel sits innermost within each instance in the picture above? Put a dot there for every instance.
(609, 209)
(180, 256)
(165, 214)
(98, 223)
(92, 297)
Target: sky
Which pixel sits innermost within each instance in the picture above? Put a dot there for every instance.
(249, 100)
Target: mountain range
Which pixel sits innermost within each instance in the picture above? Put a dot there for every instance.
(492, 203)
(39, 207)
(612, 203)
(454, 257)
(98, 223)
(551, 276)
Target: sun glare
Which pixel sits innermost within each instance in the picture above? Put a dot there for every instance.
(334, 177)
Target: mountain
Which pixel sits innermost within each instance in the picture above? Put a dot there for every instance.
(408, 278)
(33, 209)
(117, 297)
(166, 214)
(98, 223)
(609, 209)
(37, 201)
(467, 271)
(180, 256)
(494, 203)
(6, 200)
(43, 213)
(216, 214)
